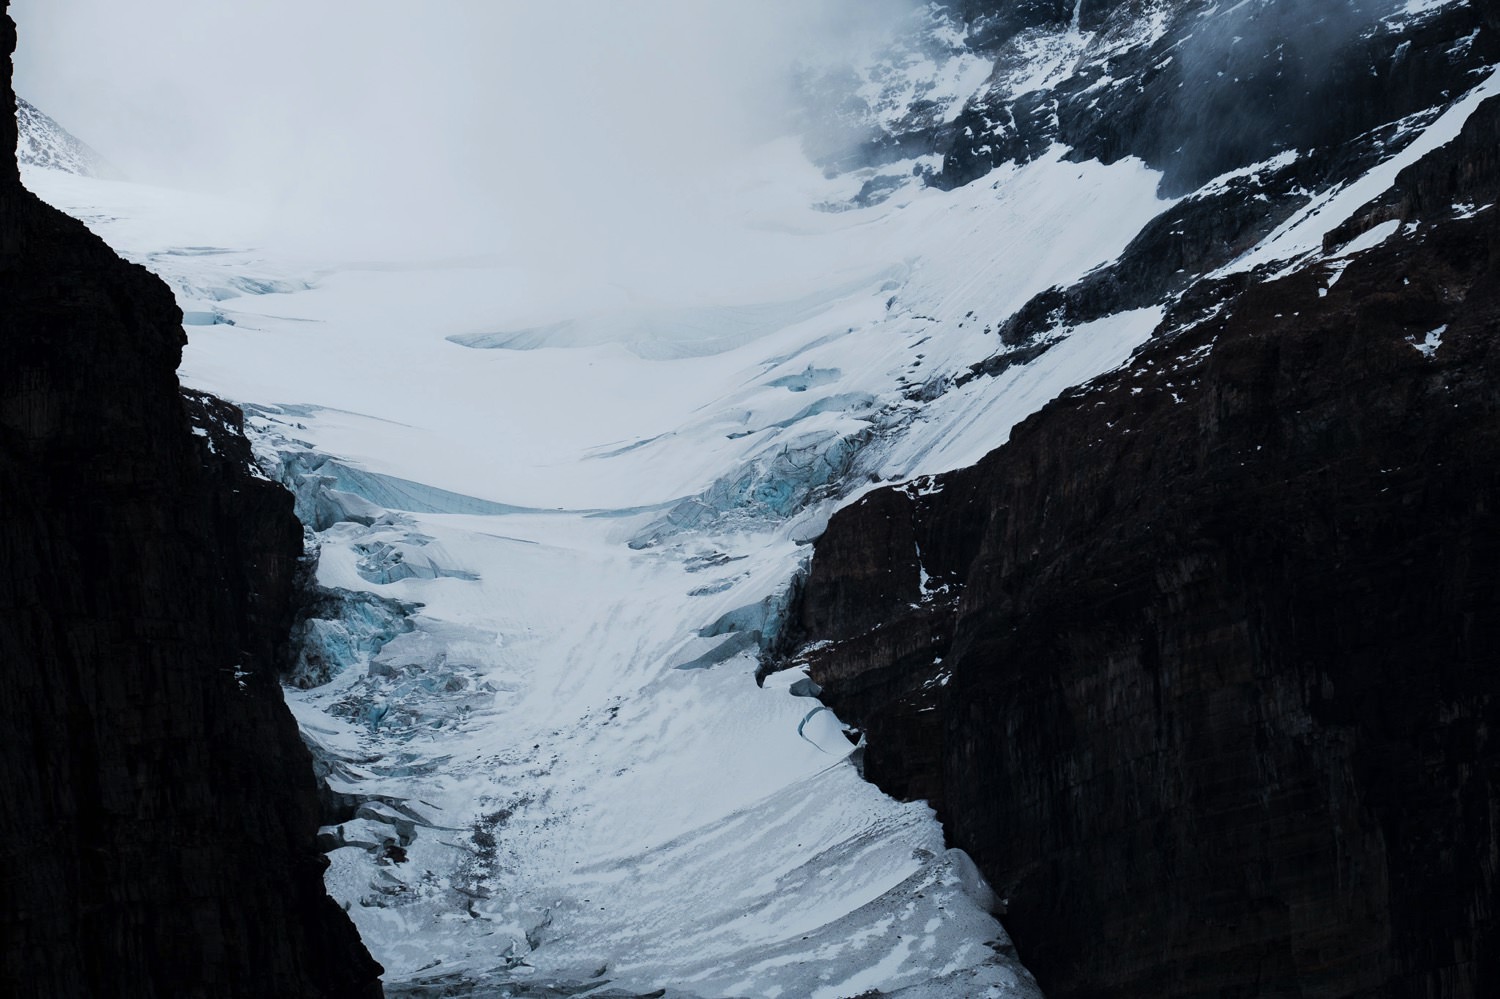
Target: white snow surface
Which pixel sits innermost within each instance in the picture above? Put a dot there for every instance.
(593, 499)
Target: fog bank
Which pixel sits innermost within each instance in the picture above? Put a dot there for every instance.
(454, 127)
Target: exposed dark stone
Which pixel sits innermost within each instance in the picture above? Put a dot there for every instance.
(157, 807)
(1363, 117)
(1225, 670)
(1219, 90)
(994, 22)
(990, 131)
(1275, 78)
(1465, 178)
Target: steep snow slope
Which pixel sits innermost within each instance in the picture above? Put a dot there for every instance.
(45, 144)
(556, 523)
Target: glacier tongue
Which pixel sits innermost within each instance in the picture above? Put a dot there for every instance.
(548, 568)
(562, 805)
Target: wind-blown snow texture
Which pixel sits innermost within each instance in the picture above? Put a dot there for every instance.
(555, 531)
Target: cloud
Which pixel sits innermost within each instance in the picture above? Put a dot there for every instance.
(447, 126)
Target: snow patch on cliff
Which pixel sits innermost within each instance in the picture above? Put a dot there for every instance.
(1302, 236)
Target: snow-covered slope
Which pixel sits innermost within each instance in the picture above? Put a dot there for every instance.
(44, 144)
(557, 523)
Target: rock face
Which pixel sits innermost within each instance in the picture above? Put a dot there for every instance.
(1287, 74)
(1203, 666)
(157, 808)
(1248, 110)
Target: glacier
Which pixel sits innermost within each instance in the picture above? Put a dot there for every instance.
(548, 569)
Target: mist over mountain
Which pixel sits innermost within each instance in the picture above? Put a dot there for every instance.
(44, 144)
(464, 127)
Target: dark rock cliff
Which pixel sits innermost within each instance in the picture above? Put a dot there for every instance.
(157, 808)
(1220, 86)
(1205, 668)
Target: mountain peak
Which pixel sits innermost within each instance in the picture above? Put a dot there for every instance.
(43, 143)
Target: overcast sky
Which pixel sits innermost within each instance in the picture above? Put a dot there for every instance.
(459, 122)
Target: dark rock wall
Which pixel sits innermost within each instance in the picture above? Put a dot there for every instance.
(157, 808)
(991, 23)
(1223, 87)
(1219, 694)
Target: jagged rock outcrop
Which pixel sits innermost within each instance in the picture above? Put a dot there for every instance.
(157, 807)
(1203, 666)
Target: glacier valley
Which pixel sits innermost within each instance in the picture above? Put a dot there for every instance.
(554, 523)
